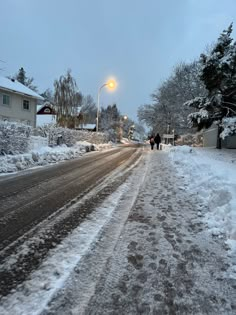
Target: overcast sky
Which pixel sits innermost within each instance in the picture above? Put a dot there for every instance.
(136, 41)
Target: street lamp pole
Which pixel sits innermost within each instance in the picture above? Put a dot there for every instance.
(99, 92)
(111, 84)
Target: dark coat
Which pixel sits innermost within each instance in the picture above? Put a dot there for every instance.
(157, 139)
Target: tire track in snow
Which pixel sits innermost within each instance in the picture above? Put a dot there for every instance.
(62, 261)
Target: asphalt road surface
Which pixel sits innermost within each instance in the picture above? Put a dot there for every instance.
(141, 246)
(40, 196)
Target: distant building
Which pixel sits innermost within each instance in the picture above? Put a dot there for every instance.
(46, 114)
(17, 102)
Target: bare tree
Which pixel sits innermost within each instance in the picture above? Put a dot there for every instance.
(48, 95)
(167, 111)
(67, 100)
(88, 109)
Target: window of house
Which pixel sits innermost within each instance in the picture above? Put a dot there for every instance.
(26, 105)
(5, 99)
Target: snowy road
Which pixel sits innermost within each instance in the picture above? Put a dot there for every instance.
(144, 250)
(42, 199)
(156, 257)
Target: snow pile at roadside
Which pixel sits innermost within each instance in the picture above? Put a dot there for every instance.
(124, 141)
(211, 173)
(46, 155)
(166, 147)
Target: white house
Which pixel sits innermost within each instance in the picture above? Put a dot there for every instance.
(45, 114)
(17, 102)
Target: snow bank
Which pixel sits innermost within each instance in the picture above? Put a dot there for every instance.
(165, 147)
(211, 173)
(44, 155)
(20, 150)
(124, 141)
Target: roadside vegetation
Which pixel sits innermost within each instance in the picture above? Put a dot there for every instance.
(197, 94)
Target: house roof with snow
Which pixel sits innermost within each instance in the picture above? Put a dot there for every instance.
(16, 87)
(46, 109)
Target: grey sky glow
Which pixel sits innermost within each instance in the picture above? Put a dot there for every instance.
(136, 41)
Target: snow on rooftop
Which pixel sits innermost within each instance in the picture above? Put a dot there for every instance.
(17, 87)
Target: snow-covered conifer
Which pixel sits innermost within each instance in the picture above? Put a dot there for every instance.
(218, 72)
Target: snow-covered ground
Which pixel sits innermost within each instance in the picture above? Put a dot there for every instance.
(211, 173)
(41, 155)
(161, 246)
(32, 297)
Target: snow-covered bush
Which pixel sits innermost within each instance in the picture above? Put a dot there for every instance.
(14, 138)
(43, 131)
(37, 142)
(59, 135)
(92, 137)
(229, 127)
(190, 139)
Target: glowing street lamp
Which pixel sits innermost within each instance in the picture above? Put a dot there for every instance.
(111, 84)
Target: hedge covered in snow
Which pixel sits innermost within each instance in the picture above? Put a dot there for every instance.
(69, 137)
(21, 150)
(14, 138)
(190, 139)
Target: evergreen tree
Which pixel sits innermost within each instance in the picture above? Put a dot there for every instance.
(22, 78)
(218, 72)
(110, 121)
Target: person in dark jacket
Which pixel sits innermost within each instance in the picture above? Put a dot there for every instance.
(157, 140)
(152, 141)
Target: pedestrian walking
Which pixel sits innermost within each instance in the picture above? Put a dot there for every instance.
(152, 142)
(157, 140)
